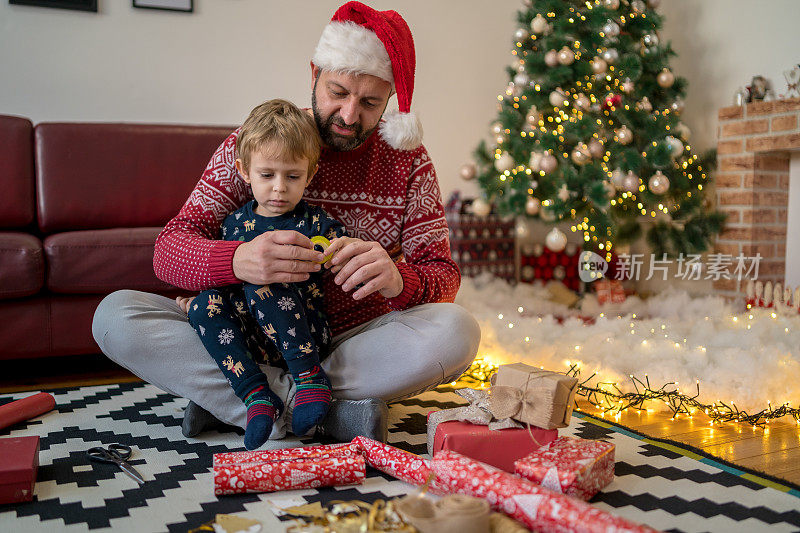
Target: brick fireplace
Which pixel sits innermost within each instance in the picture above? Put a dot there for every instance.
(755, 148)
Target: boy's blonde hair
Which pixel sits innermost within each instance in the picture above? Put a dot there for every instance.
(281, 128)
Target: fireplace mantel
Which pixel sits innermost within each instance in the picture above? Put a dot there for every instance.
(752, 183)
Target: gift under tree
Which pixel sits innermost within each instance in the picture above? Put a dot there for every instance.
(589, 131)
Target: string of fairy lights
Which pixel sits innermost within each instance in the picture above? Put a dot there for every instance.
(610, 399)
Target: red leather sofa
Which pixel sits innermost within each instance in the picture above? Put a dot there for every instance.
(80, 208)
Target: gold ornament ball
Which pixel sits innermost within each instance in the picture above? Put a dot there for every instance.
(675, 145)
(557, 98)
(650, 40)
(599, 65)
(678, 105)
(596, 149)
(481, 207)
(658, 183)
(638, 6)
(532, 206)
(610, 55)
(522, 79)
(581, 155)
(548, 163)
(665, 78)
(611, 4)
(611, 29)
(504, 162)
(535, 163)
(630, 182)
(532, 117)
(684, 131)
(582, 102)
(467, 171)
(623, 135)
(611, 190)
(566, 56)
(555, 240)
(645, 105)
(521, 34)
(551, 58)
(539, 24)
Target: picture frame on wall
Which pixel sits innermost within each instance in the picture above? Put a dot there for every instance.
(185, 6)
(80, 5)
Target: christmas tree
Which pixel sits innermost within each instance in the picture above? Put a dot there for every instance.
(589, 130)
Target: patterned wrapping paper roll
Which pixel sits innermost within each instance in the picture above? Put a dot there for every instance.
(301, 473)
(398, 463)
(537, 508)
(267, 456)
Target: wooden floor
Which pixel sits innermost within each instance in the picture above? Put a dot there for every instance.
(775, 451)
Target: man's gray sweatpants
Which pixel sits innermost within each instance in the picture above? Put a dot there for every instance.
(394, 356)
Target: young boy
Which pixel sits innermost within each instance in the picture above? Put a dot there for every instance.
(277, 152)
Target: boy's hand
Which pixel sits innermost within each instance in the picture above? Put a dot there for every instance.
(280, 256)
(364, 265)
(184, 302)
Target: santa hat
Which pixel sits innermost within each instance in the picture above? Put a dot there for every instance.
(361, 40)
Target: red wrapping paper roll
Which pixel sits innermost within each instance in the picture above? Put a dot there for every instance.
(398, 463)
(26, 408)
(303, 473)
(266, 456)
(537, 508)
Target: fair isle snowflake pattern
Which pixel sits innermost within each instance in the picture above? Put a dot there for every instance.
(286, 303)
(225, 336)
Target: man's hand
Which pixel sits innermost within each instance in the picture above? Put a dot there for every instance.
(184, 302)
(281, 256)
(356, 262)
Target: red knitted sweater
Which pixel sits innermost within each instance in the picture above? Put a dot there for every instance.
(378, 193)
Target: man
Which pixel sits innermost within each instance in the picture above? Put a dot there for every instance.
(395, 334)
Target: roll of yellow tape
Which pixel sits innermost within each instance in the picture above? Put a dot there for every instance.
(319, 240)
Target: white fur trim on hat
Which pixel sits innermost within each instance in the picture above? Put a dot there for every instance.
(403, 131)
(349, 47)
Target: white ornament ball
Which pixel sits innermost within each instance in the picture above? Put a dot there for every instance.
(611, 4)
(532, 206)
(557, 98)
(611, 29)
(532, 117)
(675, 145)
(521, 228)
(539, 24)
(521, 34)
(650, 40)
(504, 162)
(596, 149)
(599, 65)
(610, 55)
(555, 240)
(548, 163)
(581, 155)
(623, 135)
(497, 128)
(468, 171)
(630, 182)
(566, 56)
(684, 131)
(551, 58)
(481, 207)
(618, 178)
(665, 78)
(627, 86)
(522, 79)
(582, 102)
(535, 163)
(645, 105)
(678, 105)
(658, 183)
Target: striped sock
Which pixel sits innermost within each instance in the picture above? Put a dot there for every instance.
(262, 411)
(311, 401)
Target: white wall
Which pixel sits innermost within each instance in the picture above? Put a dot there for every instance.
(213, 66)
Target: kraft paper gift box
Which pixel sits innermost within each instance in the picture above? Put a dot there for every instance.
(572, 466)
(19, 462)
(533, 396)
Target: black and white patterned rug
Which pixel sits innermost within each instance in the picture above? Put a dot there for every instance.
(664, 486)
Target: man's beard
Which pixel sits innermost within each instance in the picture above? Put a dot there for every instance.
(332, 139)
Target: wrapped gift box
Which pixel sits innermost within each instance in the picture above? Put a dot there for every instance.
(609, 291)
(19, 461)
(499, 448)
(572, 466)
(546, 397)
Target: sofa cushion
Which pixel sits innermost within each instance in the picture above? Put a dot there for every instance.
(18, 201)
(102, 261)
(21, 265)
(98, 176)
(26, 325)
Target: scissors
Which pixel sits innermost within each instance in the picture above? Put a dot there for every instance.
(116, 454)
